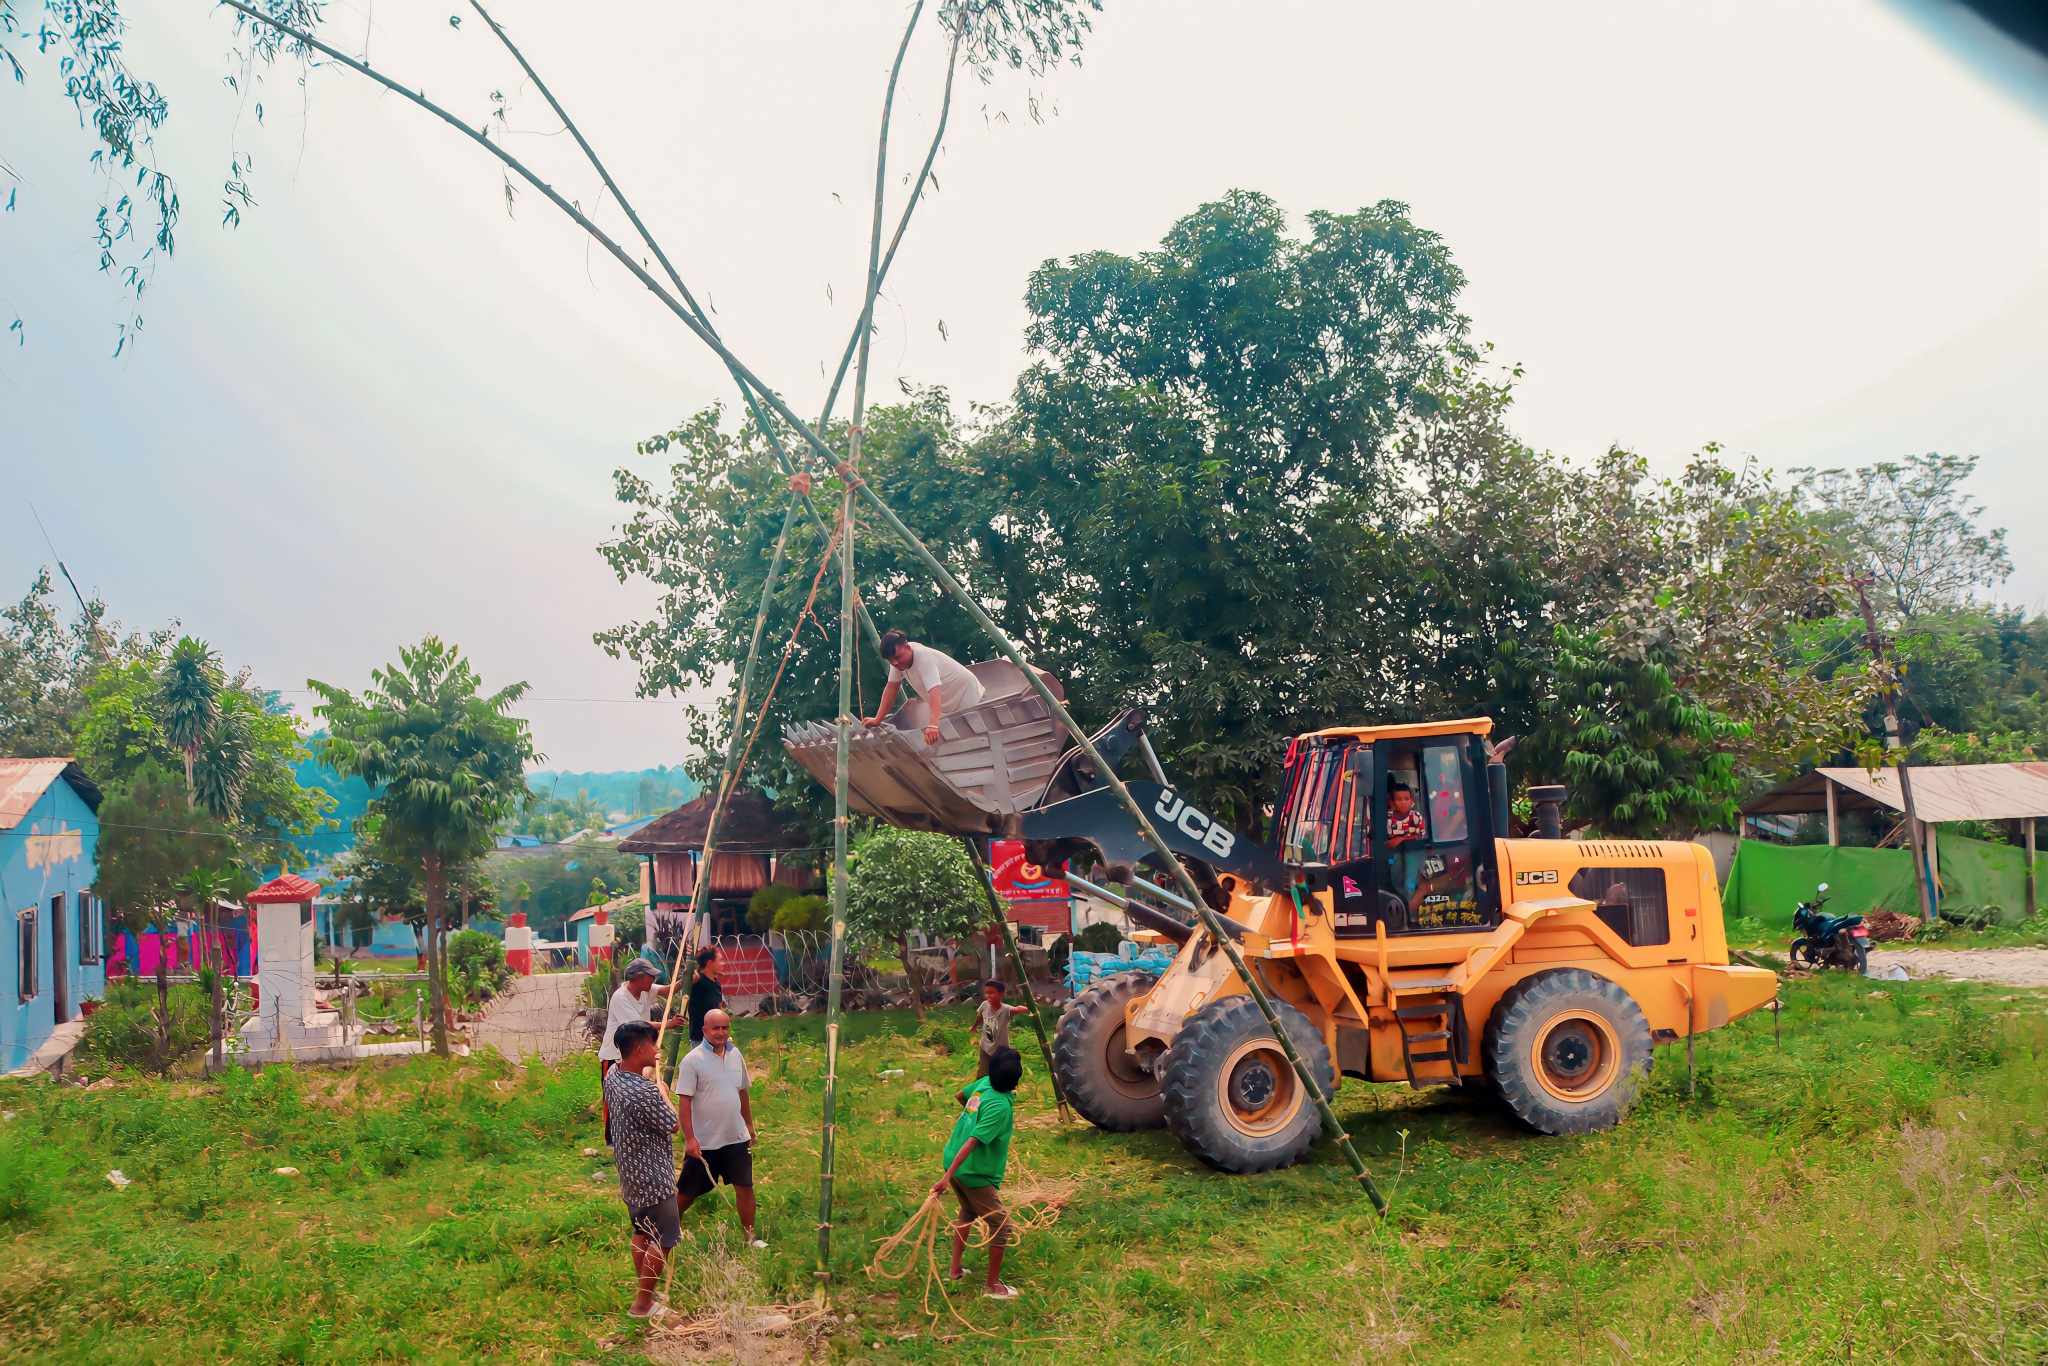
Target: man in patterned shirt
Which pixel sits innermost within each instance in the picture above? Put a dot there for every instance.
(644, 1148)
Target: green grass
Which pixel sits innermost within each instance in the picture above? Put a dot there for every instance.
(1872, 1190)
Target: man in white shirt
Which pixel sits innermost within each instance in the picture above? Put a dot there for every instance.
(716, 1113)
(945, 684)
(634, 1000)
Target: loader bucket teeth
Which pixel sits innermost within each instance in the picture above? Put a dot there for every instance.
(992, 760)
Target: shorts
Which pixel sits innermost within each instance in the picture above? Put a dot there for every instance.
(984, 1204)
(981, 1068)
(662, 1223)
(733, 1164)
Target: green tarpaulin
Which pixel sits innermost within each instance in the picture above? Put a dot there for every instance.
(1769, 880)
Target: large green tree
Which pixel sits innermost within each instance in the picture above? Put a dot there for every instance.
(449, 761)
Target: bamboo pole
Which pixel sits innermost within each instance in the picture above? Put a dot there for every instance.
(1145, 827)
(902, 224)
(728, 780)
(582, 220)
(782, 457)
(849, 478)
(995, 908)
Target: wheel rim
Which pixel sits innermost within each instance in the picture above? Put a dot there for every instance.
(1256, 1089)
(1124, 1071)
(1576, 1057)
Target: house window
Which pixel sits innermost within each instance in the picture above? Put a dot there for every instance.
(92, 944)
(25, 953)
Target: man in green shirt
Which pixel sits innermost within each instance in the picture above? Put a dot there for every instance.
(976, 1155)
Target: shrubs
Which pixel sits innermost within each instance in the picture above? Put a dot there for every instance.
(766, 901)
(802, 914)
(1101, 937)
(122, 1032)
(476, 965)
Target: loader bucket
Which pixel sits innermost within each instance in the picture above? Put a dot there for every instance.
(991, 762)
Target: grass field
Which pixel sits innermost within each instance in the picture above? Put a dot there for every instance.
(1872, 1190)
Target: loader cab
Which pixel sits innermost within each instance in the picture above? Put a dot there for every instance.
(1395, 823)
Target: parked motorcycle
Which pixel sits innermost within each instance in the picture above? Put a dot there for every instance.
(1829, 941)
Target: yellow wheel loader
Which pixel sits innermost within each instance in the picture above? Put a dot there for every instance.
(1403, 935)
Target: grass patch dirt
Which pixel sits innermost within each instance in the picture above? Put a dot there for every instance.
(1872, 1189)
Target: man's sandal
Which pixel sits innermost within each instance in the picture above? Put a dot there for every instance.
(999, 1291)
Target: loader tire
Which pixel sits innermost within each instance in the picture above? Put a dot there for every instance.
(1099, 1078)
(1231, 1095)
(1568, 1050)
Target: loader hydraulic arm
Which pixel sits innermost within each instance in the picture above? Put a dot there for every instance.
(1097, 819)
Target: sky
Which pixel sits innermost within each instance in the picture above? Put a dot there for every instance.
(384, 406)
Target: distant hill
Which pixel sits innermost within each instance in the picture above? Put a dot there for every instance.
(626, 792)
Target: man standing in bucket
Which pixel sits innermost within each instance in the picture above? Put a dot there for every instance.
(945, 684)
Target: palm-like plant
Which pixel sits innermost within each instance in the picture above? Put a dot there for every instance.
(188, 700)
(451, 763)
(221, 765)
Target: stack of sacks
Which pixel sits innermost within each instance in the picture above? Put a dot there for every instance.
(1085, 969)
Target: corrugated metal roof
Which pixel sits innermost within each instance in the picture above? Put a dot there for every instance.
(1941, 793)
(24, 781)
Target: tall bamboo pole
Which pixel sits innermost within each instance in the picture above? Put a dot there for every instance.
(835, 978)
(995, 909)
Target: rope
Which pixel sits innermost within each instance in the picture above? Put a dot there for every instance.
(1036, 1207)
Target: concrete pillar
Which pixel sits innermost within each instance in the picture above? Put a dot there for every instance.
(601, 938)
(1834, 824)
(518, 944)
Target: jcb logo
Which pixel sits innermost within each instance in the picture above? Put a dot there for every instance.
(1196, 826)
(1541, 875)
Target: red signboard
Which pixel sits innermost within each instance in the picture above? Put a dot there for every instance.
(1018, 879)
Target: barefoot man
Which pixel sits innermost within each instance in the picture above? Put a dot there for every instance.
(644, 1147)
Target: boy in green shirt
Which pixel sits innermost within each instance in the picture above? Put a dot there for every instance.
(976, 1155)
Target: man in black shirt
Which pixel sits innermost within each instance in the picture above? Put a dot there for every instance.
(705, 993)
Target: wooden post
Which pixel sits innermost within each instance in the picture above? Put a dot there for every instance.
(995, 908)
(1930, 841)
(1923, 862)
(2027, 832)
(1834, 826)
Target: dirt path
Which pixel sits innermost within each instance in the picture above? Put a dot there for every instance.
(536, 1015)
(2012, 967)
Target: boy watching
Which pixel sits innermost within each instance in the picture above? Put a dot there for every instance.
(643, 1145)
(976, 1156)
(992, 1017)
(1404, 822)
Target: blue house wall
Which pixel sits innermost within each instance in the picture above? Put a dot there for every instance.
(52, 854)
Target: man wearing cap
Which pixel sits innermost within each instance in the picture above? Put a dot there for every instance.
(633, 1001)
(945, 684)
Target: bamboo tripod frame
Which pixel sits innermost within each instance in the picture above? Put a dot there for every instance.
(759, 396)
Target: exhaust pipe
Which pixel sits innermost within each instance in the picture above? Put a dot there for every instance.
(1549, 804)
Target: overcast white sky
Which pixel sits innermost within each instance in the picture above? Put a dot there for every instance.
(1811, 231)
